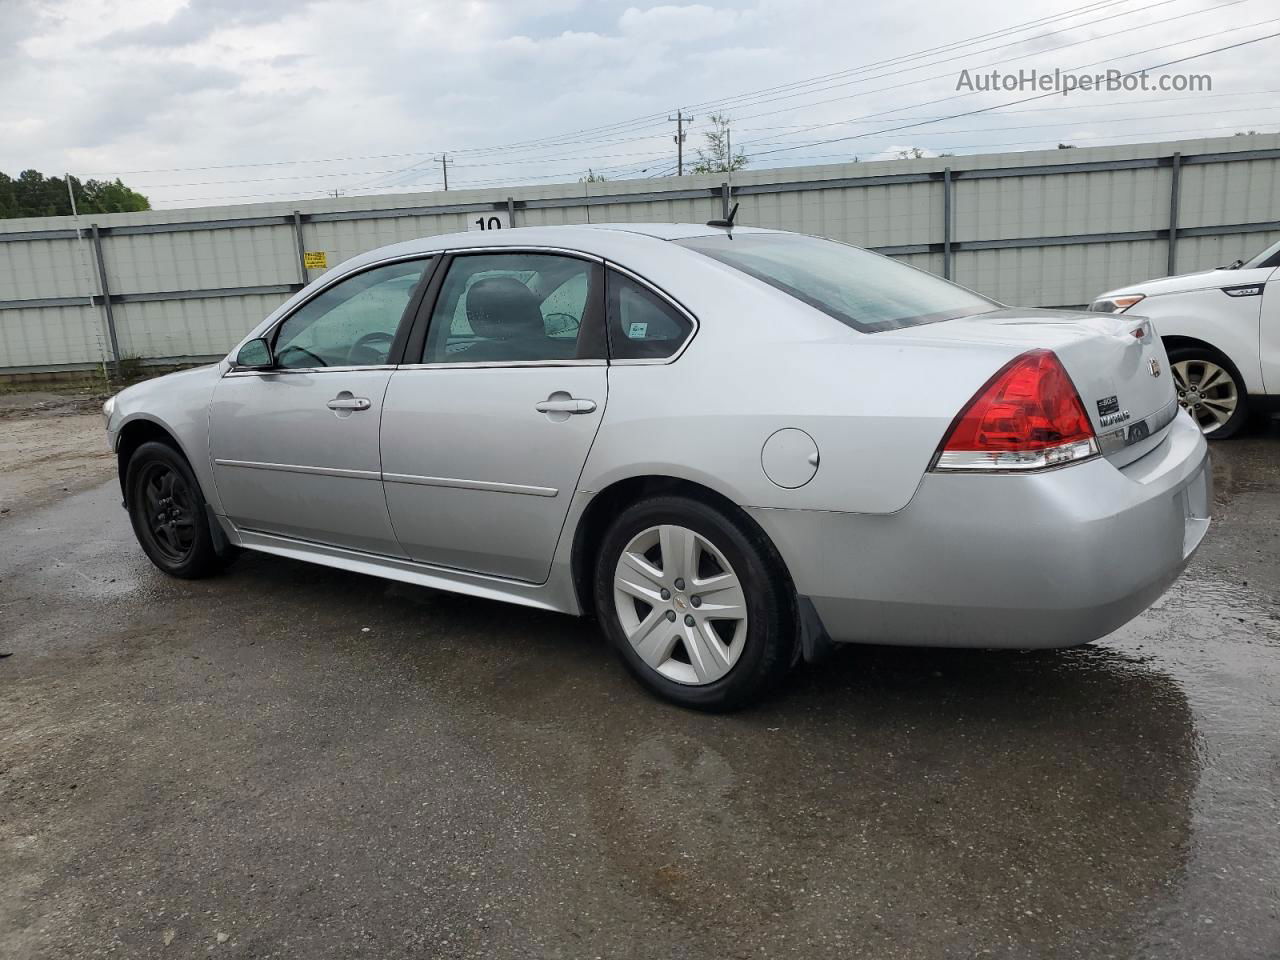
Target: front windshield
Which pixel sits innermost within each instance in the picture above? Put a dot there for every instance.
(1269, 257)
(863, 290)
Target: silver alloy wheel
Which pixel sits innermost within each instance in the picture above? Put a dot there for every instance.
(1206, 391)
(680, 604)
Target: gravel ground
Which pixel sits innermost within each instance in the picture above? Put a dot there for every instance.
(50, 445)
(289, 761)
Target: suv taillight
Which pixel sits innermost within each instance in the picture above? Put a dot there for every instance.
(1028, 416)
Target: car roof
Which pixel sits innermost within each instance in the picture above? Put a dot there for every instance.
(669, 231)
(603, 239)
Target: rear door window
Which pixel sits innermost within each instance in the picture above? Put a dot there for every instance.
(642, 325)
(516, 308)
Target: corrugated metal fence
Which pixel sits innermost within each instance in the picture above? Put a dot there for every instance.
(1049, 228)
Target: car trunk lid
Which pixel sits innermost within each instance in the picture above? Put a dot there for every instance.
(1116, 362)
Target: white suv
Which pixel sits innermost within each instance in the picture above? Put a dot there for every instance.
(1221, 328)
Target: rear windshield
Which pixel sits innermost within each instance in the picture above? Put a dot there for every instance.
(861, 289)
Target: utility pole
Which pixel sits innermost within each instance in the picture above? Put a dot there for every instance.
(679, 120)
(444, 167)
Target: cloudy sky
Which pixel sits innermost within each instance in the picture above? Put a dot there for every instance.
(201, 101)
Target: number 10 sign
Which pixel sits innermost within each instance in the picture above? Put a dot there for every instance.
(495, 220)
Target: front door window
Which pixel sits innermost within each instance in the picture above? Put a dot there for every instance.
(351, 324)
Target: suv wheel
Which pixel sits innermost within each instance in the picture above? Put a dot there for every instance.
(1210, 389)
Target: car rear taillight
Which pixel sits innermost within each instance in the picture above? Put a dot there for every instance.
(1026, 417)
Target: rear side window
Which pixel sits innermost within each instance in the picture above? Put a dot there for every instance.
(642, 325)
(863, 290)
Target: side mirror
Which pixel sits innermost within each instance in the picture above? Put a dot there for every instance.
(255, 355)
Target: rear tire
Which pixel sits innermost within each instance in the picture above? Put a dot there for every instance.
(169, 514)
(1222, 409)
(697, 603)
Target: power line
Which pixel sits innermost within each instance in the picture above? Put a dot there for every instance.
(1003, 62)
(1134, 137)
(933, 63)
(725, 102)
(413, 170)
(960, 96)
(1142, 119)
(993, 64)
(1052, 141)
(625, 169)
(1039, 96)
(648, 120)
(561, 139)
(942, 48)
(408, 172)
(1235, 95)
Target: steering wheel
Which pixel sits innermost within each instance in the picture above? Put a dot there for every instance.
(319, 360)
(561, 325)
(366, 343)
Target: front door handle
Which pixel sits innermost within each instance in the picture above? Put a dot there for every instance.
(569, 405)
(348, 403)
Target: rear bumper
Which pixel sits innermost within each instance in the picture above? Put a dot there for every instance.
(1053, 559)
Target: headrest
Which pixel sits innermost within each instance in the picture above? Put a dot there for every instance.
(503, 308)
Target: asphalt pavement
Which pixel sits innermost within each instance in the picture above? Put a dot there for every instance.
(289, 761)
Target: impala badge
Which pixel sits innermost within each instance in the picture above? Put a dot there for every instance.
(1109, 412)
(1154, 364)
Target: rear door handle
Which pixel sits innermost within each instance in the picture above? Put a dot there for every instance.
(571, 405)
(348, 403)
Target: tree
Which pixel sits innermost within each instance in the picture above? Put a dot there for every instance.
(911, 153)
(32, 194)
(1066, 146)
(715, 158)
(593, 177)
(1245, 133)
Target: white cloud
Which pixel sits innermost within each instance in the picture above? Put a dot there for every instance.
(676, 24)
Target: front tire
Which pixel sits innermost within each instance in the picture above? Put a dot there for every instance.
(168, 513)
(697, 603)
(1211, 390)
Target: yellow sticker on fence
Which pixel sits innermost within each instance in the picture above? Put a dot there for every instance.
(315, 260)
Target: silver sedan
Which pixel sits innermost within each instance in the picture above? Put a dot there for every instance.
(734, 447)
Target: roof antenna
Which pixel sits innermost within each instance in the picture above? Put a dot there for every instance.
(727, 222)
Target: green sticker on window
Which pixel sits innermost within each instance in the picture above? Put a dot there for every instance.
(637, 331)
